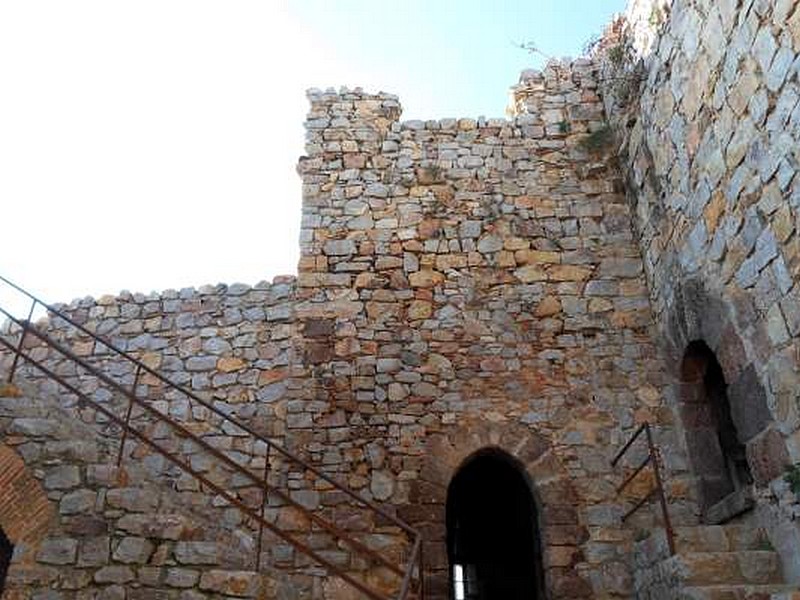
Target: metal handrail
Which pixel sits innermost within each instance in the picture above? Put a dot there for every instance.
(652, 460)
(244, 427)
(26, 327)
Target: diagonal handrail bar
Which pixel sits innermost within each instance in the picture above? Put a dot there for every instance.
(415, 555)
(189, 469)
(183, 431)
(658, 490)
(627, 445)
(231, 419)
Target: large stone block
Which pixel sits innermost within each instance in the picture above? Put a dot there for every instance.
(58, 551)
(767, 456)
(748, 402)
(196, 553)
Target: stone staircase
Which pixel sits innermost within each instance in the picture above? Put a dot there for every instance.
(714, 562)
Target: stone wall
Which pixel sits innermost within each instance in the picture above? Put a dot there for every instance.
(227, 344)
(83, 528)
(233, 347)
(463, 285)
(508, 284)
(472, 283)
(709, 145)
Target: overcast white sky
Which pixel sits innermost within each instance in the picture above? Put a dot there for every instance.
(150, 145)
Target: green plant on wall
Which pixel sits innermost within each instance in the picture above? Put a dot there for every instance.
(623, 72)
(792, 477)
(617, 55)
(656, 17)
(599, 140)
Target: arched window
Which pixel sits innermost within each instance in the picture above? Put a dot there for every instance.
(493, 541)
(6, 550)
(716, 451)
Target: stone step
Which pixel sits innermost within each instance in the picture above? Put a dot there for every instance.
(705, 570)
(740, 592)
(725, 568)
(700, 538)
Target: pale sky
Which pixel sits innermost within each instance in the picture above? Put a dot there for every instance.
(152, 144)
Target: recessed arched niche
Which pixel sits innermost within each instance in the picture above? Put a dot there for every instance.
(716, 447)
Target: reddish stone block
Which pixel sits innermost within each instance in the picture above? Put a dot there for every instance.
(566, 583)
(767, 456)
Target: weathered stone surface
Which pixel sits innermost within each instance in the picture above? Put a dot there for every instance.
(767, 456)
(62, 477)
(131, 499)
(425, 278)
(133, 550)
(241, 584)
(77, 502)
(340, 247)
(382, 485)
(181, 578)
(33, 426)
(459, 277)
(58, 551)
(94, 551)
(196, 553)
(114, 574)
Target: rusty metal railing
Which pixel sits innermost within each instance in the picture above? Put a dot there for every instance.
(658, 490)
(409, 573)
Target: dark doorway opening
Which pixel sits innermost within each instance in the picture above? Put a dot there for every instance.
(493, 541)
(718, 455)
(6, 550)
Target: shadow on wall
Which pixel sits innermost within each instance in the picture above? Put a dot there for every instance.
(716, 451)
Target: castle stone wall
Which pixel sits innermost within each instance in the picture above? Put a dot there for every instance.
(83, 528)
(709, 146)
(464, 284)
(515, 285)
(464, 278)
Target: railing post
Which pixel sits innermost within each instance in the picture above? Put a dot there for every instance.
(128, 415)
(25, 325)
(264, 500)
(660, 487)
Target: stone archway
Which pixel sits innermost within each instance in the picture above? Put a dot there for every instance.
(493, 537)
(556, 502)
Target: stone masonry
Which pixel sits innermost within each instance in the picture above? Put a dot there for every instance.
(528, 285)
(710, 151)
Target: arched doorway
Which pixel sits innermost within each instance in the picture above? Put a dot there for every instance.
(716, 450)
(493, 541)
(6, 550)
